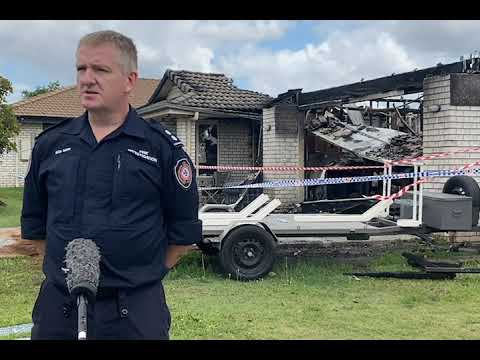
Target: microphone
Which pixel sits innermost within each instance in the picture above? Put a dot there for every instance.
(82, 260)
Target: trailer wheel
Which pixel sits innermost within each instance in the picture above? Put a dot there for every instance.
(247, 253)
(466, 186)
(463, 185)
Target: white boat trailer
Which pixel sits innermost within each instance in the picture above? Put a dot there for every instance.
(245, 241)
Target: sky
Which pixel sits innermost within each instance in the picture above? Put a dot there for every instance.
(268, 56)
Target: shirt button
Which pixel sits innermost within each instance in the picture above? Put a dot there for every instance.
(124, 312)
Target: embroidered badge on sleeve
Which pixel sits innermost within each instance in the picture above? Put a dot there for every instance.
(183, 173)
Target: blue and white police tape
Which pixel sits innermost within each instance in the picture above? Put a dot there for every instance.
(347, 180)
(15, 329)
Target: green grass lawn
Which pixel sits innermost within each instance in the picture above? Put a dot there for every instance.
(19, 280)
(301, 299)
(10, 214)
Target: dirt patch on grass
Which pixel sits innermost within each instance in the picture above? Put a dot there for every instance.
(11, 244)
(352, 249)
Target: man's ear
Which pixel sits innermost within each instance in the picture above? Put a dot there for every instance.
(131, 81)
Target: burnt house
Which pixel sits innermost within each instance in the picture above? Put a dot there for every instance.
(364, 123)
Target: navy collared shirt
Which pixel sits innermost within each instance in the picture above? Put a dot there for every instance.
(133, 193)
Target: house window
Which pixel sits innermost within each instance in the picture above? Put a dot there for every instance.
(207, 146)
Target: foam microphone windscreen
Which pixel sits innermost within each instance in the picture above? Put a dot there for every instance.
(82, 260)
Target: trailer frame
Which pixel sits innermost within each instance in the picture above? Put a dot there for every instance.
(218, 227)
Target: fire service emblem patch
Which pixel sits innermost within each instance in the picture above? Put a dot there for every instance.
(183, 173)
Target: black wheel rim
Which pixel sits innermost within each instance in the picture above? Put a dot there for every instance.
(248, 253)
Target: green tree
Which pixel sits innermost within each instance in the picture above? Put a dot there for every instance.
(8, 122)
(52, 85)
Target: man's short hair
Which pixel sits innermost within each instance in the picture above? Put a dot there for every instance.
(128, 51)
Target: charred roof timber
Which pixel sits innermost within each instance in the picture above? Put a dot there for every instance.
(291, 96)
(400, 84)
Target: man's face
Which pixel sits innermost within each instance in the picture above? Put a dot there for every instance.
(102, 83)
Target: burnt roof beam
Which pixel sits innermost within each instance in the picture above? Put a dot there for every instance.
(409, 83)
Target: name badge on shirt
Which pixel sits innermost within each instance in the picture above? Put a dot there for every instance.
(143, 155)
(60, 151)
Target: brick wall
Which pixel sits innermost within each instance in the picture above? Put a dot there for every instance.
(186, 132)
(450, 128)
(13, 165)
(234, 149)
(235, 146)
(283, 144)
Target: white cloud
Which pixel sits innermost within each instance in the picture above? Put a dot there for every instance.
(445, 38)
(344, 57)
(347, 51)
(352, 51)
(49, 46)
(240, 31)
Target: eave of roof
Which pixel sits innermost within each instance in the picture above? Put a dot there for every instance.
(145, 110)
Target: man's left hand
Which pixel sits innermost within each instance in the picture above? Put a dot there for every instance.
(175, 252)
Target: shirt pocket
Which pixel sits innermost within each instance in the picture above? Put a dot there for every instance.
(135, 177)
(62, 175)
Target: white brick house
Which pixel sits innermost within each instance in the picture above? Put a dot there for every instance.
(13, 164)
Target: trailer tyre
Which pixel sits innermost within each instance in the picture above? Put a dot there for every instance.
(466, 186)
(463, 185)
(247, 253)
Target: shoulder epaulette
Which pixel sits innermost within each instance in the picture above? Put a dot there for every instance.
(167, 134)
(62, 122)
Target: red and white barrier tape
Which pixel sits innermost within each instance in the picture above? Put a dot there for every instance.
(470, 166)
(421, 181)
(433, 156)
(400, 193)
(286, 168)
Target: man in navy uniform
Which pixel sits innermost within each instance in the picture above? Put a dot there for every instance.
(112, 177)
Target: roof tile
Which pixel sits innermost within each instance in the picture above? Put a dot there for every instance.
(215, 91)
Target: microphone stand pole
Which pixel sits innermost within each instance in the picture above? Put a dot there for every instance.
(82, 303)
